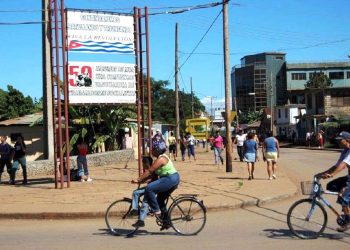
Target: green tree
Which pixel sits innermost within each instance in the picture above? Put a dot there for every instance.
(318, 80)
(163, 104)
(249, 116)
(16, 103)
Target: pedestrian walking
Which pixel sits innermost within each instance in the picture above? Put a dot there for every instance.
(308, 138)
(183, 146)
(271, 152)
(239, 140)
(6, 152)
(250, 148)
(19, 158)
(319, 138)
(217, 143)
(190, 146)
(172, 146)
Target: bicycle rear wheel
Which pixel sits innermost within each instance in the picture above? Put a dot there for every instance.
(119, 218)
(307, 219)
(187, 216)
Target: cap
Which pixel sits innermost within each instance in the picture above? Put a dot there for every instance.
(158, 130)
(343, 135)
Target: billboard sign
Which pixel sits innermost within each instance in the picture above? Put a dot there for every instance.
(96, 32)
(101, 83)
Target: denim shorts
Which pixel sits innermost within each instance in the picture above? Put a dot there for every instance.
(344, 198)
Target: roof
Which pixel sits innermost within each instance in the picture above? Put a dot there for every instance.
(317, 65)
(23, 120)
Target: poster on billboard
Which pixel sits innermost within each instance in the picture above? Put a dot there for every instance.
(98, 32)
(101, 83)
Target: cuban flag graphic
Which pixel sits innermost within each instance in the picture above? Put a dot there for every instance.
(100, 47)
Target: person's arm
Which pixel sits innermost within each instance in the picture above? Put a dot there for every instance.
(161, 161)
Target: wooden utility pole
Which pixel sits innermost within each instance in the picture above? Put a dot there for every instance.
(227, 88)
(192, 99)
(177, 106)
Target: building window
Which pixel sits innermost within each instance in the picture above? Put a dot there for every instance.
(298, 76)
(336, 75)
(286, 113)
(340, 101)
(348, 75)
(279, 113)
(279, 57)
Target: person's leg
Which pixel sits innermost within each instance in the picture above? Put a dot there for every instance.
(269, 168)
(14, 168)
(161, 185)
(344, 201)
(253, 165)
(11, 172)
(193, 153)
(220, 156)
(2, 165)
(249, 170)
(80, 168)
(135, 197)
(23, 163)
(215, 156)
(274, 169)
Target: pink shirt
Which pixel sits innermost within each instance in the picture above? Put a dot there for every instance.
(218, 142)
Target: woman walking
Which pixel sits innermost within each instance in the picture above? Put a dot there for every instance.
(271, 152)
(250, 149)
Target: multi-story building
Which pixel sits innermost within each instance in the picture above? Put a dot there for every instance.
(320, 103)
(259, 82)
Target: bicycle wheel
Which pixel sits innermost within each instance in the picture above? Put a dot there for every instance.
(187, 216)
(119, 219)
(307, 220)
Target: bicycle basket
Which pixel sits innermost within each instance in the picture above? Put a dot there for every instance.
(307, 187)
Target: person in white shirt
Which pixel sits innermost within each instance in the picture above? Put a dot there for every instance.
(239, 140)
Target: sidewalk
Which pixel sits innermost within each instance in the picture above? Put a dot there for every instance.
(218, 189)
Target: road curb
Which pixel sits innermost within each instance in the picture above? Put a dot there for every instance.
(101, 214)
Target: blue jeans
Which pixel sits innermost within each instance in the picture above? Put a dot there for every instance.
(217, 155)
(162, 187)
(190, 150)
(15, 167)
(135, 201)
(82, 166)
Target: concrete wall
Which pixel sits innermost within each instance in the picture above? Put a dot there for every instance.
(46, 167)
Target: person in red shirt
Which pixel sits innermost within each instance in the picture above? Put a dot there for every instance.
(83, 172)
(218, 144)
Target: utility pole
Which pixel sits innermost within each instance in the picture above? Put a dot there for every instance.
(227, 88)
(48, 136)
(177, 113)
(271, 105)
(192, 98)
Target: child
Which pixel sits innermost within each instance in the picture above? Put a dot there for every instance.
(146, 162)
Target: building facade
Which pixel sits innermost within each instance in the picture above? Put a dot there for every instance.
(259, 81)
(321, 103)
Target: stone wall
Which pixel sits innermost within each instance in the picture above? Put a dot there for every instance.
(46, 167)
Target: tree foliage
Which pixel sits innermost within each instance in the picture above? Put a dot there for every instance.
(248, 117)
(318, 80)
(163, 104)
(14, 104)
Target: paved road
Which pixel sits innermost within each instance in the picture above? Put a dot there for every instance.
(250, 228)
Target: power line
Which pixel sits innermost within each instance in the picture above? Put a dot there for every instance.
(200, 40)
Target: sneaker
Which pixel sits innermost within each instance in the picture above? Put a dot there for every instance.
(89, 179)
(270, 178)
(82, 180)
(139, 223)
(344, 228)
(274, 176)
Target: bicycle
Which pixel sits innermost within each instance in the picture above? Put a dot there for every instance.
(186, 215)
(307, 218)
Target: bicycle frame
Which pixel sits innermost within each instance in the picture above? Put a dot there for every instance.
(317, 195)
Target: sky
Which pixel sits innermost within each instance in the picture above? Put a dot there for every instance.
(307, 31)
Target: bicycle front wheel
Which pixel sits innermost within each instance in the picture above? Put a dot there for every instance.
(119, 218)
(307, 219)
(187, 216)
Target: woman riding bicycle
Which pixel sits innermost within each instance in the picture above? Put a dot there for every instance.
(343, 184)
(167, 182)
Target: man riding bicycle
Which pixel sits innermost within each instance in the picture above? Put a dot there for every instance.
(341, 184)
(168, 180)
